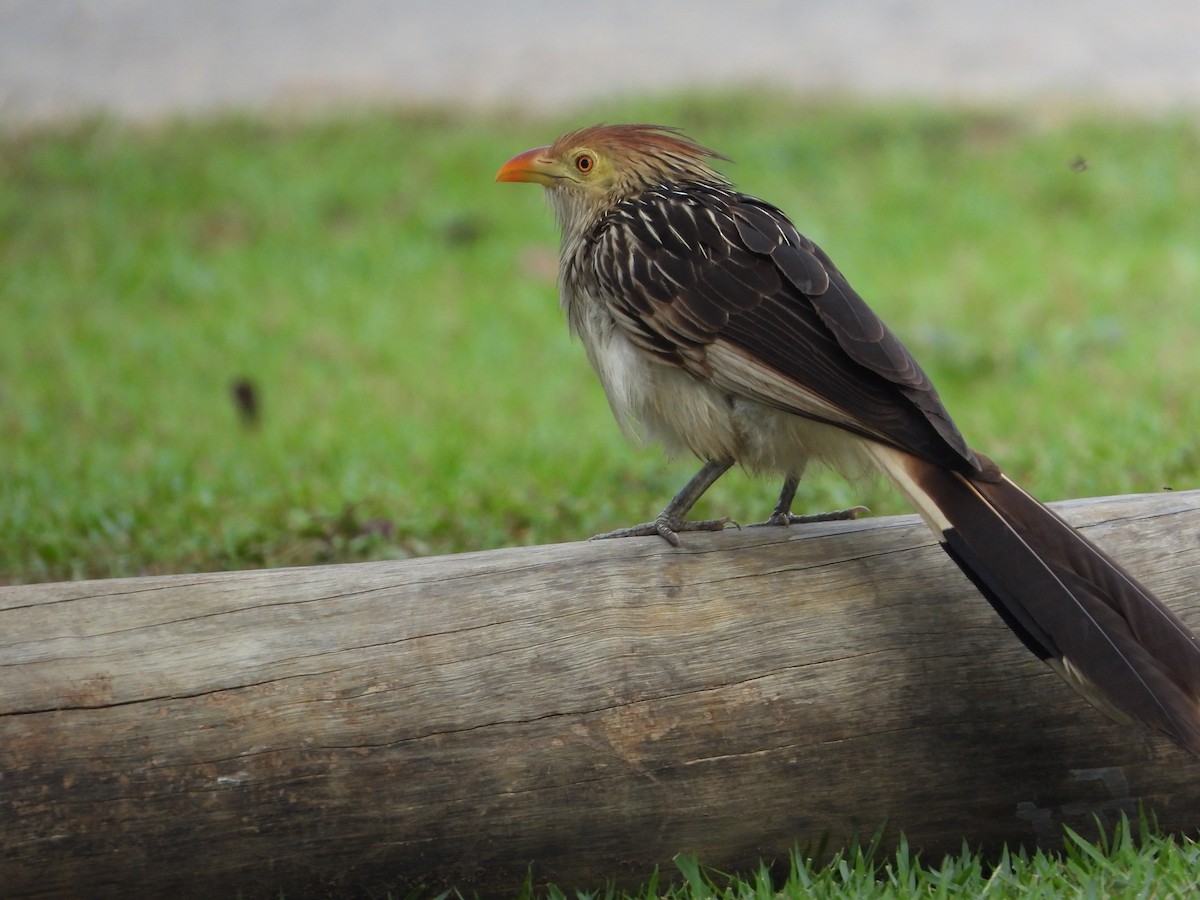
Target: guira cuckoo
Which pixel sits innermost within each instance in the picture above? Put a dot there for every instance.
(719, 329)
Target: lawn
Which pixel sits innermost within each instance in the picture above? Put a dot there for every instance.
(1127, 863)
(241, 342)
(394, 312)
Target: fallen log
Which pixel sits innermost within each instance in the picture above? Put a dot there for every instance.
(587, 709)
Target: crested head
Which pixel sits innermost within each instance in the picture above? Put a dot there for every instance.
(588, 171)
(643, 156)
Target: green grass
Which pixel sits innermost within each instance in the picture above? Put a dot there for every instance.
(396, 310)
(1125, 866)
(1131, 862)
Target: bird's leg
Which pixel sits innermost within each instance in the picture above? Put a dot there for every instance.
(783, 515)
(671, 520)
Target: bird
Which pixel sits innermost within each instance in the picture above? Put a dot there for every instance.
(716, 328)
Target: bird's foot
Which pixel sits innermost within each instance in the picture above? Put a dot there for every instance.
(838, 515)
(667, 528)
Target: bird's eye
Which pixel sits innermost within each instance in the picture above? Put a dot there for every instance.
(584, 163)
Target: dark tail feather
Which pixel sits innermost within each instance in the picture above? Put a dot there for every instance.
(1072, 605)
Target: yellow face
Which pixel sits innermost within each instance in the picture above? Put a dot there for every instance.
(581, 166)
(604, 163)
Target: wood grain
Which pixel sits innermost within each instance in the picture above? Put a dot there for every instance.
(591, 709)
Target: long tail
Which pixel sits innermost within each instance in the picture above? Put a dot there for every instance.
(1074, 607)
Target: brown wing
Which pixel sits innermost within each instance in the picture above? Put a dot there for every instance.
(723, 285)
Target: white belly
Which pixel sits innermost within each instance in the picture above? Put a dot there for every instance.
(661, 402)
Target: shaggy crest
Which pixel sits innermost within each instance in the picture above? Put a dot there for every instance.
(656, 152)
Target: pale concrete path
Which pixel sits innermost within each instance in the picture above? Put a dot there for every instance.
(141, 58)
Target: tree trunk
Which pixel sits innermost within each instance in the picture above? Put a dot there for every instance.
(589, 709)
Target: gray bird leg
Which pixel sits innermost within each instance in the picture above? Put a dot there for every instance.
(671, 520)
(783, 515)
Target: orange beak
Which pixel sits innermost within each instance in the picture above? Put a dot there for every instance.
(534, 165)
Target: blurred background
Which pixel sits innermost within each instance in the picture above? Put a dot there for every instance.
(143, 58)
(262, 304)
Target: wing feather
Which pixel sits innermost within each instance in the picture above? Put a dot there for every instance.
(725, 286)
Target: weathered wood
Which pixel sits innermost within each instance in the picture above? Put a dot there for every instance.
(591, 708)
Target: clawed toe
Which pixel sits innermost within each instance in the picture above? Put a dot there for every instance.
(667, 528)
(838, 515)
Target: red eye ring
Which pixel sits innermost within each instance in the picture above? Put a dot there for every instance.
(584, 163)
